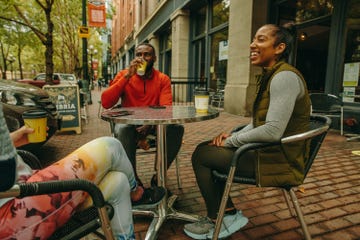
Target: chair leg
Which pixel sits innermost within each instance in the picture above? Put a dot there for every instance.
(105, 224)
(178, 179)
(342, 121)
(288, 203)
(299, 214)
(224, 200)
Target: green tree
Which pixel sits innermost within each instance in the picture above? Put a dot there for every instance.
(35, 15)
(67, 19)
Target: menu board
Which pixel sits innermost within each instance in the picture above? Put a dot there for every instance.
(67, 100)
(351, 74)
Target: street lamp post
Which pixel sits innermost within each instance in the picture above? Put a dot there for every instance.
(84, 50)
(92, 52)
(11, 61)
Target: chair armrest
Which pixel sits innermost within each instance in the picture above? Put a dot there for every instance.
(30, 159)
(308, 134)
(250, 146)
(39, 188)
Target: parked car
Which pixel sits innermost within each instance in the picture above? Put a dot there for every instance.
(68, 78)
(39, 80)
(17, 98)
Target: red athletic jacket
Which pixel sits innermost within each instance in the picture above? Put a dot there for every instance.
(137, 92)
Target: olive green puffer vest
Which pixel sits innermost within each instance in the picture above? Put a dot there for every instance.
(284, 165)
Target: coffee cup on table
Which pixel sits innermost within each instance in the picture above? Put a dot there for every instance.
(37, 120)
(201, 101)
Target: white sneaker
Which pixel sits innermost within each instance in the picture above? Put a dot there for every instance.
(199, 230)
(230, 225)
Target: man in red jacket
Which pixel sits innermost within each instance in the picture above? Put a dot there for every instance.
(152, 88)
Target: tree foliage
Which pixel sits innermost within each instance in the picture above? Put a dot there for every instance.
(43, 35)
(35, 15)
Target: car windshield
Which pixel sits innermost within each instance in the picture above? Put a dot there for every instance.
(68, 77)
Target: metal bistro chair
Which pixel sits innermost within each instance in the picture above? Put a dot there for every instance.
(319, 126)
(328, 105)
(81, 223)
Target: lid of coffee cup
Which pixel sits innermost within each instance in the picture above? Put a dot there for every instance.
(34, 114)
(201, 91)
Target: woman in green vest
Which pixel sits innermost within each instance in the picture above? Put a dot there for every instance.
(281, 108)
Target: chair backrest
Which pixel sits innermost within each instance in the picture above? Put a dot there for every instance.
(325, 103)
(319, 126)
(315, 142)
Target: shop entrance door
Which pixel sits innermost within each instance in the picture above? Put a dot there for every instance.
(312, 53)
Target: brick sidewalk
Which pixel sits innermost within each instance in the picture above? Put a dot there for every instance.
(331, 202)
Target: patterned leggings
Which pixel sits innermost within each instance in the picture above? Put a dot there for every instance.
(102, 161)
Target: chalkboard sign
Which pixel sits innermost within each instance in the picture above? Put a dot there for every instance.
(66, 98)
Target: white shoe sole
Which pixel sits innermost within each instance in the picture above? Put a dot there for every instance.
(197, 236)
(236, 226)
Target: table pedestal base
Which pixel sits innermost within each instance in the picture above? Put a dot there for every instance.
(161, 214)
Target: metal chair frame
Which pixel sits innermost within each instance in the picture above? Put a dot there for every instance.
(328, 105)
(81, 223)
(40, 188)
(317, 133)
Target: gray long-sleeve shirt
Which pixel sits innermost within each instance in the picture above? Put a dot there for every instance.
(285, 88)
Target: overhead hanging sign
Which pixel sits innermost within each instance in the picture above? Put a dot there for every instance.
(97, 13)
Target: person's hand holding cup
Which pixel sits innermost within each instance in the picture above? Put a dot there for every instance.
(37, 120)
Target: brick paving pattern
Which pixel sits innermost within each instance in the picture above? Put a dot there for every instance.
(331, 201)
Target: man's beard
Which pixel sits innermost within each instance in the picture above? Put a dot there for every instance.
(149, 66)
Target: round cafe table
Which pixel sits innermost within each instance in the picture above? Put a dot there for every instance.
(161, 117)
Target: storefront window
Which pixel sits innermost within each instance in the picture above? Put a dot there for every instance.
(313, 22)
(199, 58)
(218, 62)
(220, 12)
(310, 9)
(351, 76)
(210, 43)
(165, 52)
(200, 21)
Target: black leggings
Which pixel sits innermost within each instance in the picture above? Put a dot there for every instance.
(207, 158)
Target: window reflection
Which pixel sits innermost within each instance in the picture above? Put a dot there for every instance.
(218, 62)
(310, 9)
(200, 21)
(220, 12)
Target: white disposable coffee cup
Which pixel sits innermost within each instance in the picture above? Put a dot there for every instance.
(201, 101)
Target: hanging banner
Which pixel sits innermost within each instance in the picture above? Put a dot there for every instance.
(97, 13)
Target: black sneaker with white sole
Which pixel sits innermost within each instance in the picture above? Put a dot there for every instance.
(150, 198)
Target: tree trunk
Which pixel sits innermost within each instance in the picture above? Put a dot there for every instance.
(49, 51)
